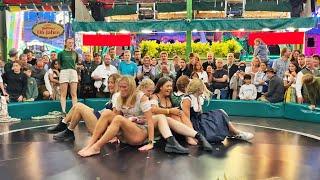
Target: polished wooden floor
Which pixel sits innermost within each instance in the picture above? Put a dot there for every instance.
(32, 154)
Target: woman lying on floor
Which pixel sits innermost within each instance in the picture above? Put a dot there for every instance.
(82, 112)
(135, 125)
(215, 124)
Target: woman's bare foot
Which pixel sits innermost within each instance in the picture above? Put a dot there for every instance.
(83, 149)
(90, 152)
(191, 141)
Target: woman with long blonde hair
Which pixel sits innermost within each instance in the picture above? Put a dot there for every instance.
(215, 124)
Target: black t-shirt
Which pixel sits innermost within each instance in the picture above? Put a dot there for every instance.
(219, 74)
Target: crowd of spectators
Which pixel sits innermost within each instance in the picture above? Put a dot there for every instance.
(291, 78)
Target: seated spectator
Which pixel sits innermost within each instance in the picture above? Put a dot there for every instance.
(165, 72)
(46, 62)
(176, 63)
(146, 70)
(54, 73)
(164, 61)
(184, 70)
(281, 65)
(23, 61)
(101, 75)
(275, 92)
(211, 61)
(301, 62)
(201, 73)
(248, 91)
(220, 81)
(38, 73)
(16, 82)
(181, 86)
(236, 80)
(3, 90)
(194, 75)
(115, 61)
(137, 57)
(253, 68)
(261, 80)
(290, 76)
(289, 82)
(231, 68)
(1, 67)
(193, 57)
(32, 88)
(316, 61)
(96, 60)
(53, 56)
(126, 66)
(31, 59)
(312, 86)
(294, 56)
(261, 50)
(209, 71)
(154, 61)
(13, 57)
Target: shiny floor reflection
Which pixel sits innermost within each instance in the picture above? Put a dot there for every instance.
(32, 154)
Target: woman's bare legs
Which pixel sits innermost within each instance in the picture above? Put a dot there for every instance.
(85, 113)
(131, 133)
(185, 120)
(101, 126)
(63, 96)
(73, 92)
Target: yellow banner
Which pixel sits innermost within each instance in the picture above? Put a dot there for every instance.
(14, 8)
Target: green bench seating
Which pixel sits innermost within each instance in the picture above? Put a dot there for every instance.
(233, 108)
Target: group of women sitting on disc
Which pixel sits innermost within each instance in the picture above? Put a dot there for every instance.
(135, 115)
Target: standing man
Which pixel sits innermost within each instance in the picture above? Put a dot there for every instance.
(101, 75)
(68, 74)
(282, 65)
(114, 59)
(126, 66)
(137, 57)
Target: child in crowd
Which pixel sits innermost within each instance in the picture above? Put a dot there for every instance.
(181, 86)
(32, 88)
(248, 91)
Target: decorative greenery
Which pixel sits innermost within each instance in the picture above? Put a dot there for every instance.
(220, 49)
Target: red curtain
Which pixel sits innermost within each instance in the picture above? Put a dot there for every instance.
(106, 40)
(275, 38)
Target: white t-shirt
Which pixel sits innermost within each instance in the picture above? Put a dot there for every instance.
(136, 111)
(103, 72)
(203, 76)
(248, 92)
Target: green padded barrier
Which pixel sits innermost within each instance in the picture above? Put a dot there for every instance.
(26, 110)
(96, 103)
(247, 108)
(301, 112)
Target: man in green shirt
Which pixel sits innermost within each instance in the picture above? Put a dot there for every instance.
(312, 86)
(68, 74)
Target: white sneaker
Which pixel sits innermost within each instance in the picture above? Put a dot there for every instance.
(246, 136)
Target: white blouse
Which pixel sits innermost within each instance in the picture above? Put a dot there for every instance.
(136, 111)
(196, 103)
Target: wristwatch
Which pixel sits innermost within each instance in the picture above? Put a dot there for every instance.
(151, 142)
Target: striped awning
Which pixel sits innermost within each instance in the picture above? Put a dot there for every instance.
(38, 8)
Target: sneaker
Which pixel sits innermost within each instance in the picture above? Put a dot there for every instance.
(57, 128)
(66, 135)
(246, 136)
